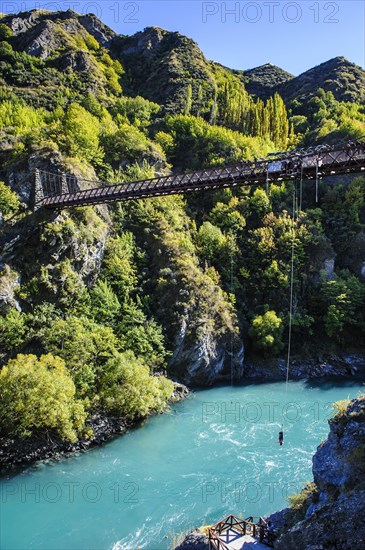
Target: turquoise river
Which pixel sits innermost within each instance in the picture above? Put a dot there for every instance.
(212, 454)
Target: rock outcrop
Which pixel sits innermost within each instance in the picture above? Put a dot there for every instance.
(332, 516)
(9, 284)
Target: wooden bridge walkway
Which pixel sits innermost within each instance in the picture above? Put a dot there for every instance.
(64, 190)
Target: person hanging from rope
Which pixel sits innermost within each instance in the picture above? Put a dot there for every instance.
(281, 436)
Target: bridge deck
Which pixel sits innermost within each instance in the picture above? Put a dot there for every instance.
(64, 190)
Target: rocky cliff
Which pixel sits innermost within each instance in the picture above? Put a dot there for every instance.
(332, 510)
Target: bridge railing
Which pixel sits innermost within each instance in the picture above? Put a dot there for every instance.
(61, 190)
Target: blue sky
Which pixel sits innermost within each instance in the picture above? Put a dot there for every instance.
(240, 34)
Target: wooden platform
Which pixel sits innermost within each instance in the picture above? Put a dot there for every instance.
(234, 540)
(235, 533)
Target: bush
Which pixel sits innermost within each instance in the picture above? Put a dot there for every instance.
(85, 347)
(128, 389)
(12, 331)
(9, 201)
(266, 331)
(39, 394)
(5, 32)
(339, 408)
(299, 502)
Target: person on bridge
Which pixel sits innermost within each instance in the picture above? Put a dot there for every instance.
(281, 437)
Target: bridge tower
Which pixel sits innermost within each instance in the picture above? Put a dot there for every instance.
(64, 184)
(38, 193)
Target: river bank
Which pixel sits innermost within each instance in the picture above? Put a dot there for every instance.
(339, 365)
(16, 453)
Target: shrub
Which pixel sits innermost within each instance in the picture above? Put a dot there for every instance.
(39, 394)
(266, 331)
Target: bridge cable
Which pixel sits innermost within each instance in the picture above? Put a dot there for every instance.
(301, 186)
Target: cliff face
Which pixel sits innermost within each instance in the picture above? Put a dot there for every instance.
(333, 514)
(58, 253)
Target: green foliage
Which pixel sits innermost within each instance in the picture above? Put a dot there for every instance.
(339, 408)
(85, 347)
(299, 502)
(266, 331)
(211, 240)
(104, 303)
(82, 133)
(13, 331)
(129, 144)
(19, 119)
(119, 267)
(346, 301)
(323, 118)
(228, 216)
(9, 201)
(5, 32)
(141, 335)
(38, 394)
(128, 389)
(136, 110)
(197, 144)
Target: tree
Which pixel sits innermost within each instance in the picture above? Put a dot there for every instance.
(119, 268)
(188, 100)
(141, 335)
(84, 346)
(266, 331)
(211, 240)
(82, 131)
(128, 389)
(12, 331)
(39, 394)
(5, 32)
(9, 201)
(105, 305)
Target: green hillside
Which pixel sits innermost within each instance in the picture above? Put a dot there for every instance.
(110, 303)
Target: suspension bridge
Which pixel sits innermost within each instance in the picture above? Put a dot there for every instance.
(61, 190)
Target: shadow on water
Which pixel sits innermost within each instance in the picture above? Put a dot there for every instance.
(330, 383)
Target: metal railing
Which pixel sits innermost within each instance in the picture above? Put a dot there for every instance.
(64, 190)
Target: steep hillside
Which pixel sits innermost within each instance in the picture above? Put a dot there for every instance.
(50, 56)
(161, 65)
(341, 77)
(264, 81)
